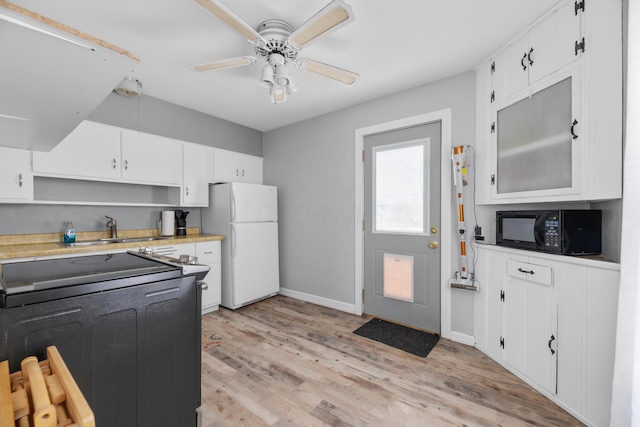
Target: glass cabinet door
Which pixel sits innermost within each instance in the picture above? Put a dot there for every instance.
(537, 143)
(534, 141)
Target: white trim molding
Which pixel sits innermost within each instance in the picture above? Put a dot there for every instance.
(314, 299)
(443, 116)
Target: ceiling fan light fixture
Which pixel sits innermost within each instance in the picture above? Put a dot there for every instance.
(267, 77)
(225, 63)
(282, 75)
(129, 87)
(278, 96)
(332, 17)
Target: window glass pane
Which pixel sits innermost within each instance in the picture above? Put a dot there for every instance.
(399, 188)
(534, 141)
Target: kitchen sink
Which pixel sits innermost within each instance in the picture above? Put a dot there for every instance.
(108, 241)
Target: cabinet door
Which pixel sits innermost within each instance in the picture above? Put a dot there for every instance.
(518, 78)
(16, 181)
(529, 342)
(566, 30)
(251, 169)
(209, 253)
(91, 151)
(536, 152)
(151, 159)
(226, 166)
(198, 161)
(539, 51)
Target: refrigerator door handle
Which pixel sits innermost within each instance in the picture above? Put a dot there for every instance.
(233, 205)
(233, 241)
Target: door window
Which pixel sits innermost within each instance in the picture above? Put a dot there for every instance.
(400, 205)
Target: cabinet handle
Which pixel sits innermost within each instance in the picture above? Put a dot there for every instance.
(524, 67)
(573, 125)
(114, 163)
(186, 190)
(529, 56)
(243, 173)
(126, 165)
(204, 286)
(20, 180)
(526, 271)
(237, 172)
(550, 341)
(208, 252)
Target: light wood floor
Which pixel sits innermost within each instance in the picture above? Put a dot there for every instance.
(286, 362)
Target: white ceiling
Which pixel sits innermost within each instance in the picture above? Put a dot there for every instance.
(393, 45)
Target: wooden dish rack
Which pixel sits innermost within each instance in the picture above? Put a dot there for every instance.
(42, 394)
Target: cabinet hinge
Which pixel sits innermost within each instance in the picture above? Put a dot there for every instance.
(493, 127)
(502, 296)
(363, 155)
(501, 342)
(363, 295)
(579, 5)
(579, 46)
(493, 179)
(493, 95)
(493, 67)
(363, 225)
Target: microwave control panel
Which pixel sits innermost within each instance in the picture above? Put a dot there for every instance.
(552, 231)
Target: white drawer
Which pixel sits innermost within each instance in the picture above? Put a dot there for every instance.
(208, 252)
(529, 272)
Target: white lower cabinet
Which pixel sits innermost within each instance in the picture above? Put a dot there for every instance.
(551, 320)
(209, 253)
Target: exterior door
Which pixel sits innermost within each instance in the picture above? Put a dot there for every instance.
(402, 223)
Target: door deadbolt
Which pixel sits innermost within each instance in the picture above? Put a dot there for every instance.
(433, 245)
(434, 230)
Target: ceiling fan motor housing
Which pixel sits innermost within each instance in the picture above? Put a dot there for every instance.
(275, 32)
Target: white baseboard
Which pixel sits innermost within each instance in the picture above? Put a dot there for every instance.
(469, 340)
(314, 299)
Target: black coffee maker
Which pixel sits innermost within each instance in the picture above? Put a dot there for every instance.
(181, 223)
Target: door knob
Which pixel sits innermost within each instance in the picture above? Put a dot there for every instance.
(434, 230)
(433, 245)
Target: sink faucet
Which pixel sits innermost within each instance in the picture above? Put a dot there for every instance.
(113, 225)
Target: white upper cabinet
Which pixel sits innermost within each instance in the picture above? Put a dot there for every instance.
(98, 152)
(230, 166)
(198, 167)
(545, 48)
(151, 159)
(549, 110)
(91, 151)
(16, 180)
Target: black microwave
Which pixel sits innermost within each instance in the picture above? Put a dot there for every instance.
(569, 232)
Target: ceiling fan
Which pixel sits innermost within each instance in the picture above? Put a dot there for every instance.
(278, 44)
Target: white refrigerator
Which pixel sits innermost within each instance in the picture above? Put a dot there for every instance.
(247, 215)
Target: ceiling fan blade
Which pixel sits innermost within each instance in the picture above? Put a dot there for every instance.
(225, 63)
(333, 16)
(229, 18)
(329, 71)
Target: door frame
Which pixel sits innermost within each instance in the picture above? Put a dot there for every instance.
(443, 116)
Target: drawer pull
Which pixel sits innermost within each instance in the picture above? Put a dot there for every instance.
(525, 271)
(550, 341)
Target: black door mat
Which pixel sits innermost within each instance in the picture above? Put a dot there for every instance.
(401, 337)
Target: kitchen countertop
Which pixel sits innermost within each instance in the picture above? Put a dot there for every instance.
(50, 244)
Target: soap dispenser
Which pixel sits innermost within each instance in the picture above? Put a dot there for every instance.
(69, 233)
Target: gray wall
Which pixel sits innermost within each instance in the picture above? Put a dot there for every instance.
(151, 115)
(146, 114)
(312, 163)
